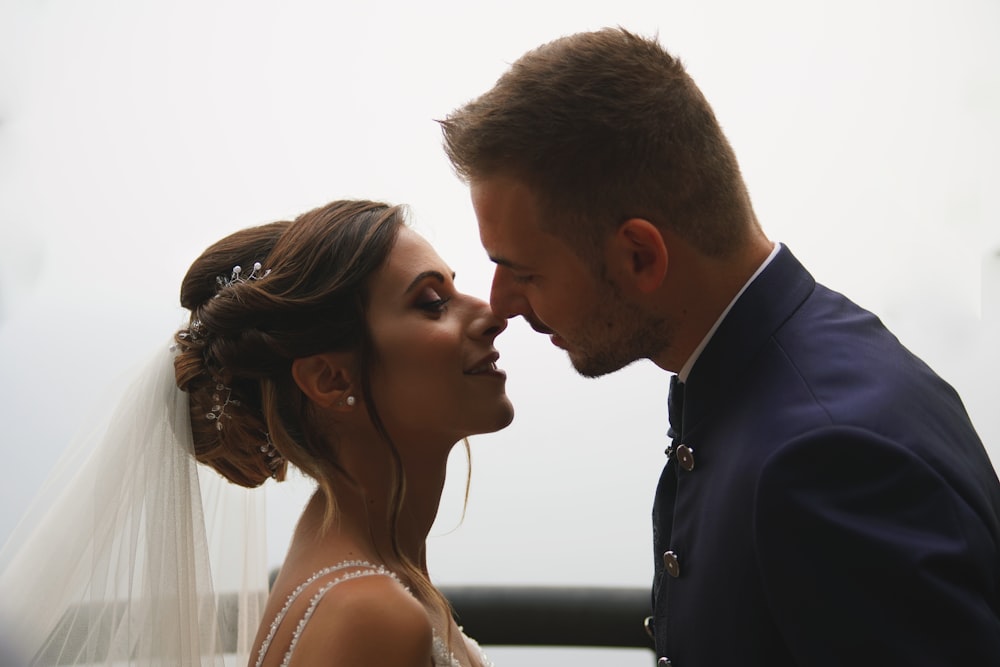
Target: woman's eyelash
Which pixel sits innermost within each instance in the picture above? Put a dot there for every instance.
(435, 305)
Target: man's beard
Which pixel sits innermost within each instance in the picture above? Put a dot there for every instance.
(623, 333)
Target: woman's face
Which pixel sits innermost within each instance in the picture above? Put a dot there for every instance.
(435, 375)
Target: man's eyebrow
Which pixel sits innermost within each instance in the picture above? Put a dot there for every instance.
(503, 261)
(424, 275)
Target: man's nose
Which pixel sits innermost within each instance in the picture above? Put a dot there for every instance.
(505, 298)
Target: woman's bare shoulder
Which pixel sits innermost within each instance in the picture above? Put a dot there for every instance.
(367, 621)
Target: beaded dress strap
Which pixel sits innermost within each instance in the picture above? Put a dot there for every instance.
(362, 569)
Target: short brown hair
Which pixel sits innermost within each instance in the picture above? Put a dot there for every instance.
(604, 126)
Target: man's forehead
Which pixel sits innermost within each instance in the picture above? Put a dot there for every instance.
(503, 192)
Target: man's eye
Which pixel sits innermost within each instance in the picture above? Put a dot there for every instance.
(523, 279)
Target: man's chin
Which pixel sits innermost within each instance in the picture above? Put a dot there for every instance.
(595, 367)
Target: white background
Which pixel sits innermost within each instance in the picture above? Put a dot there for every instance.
(135, 133)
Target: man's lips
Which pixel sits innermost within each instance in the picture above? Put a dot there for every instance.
(538, 326)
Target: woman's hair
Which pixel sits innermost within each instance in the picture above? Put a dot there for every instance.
(605, 126)
(261, 298)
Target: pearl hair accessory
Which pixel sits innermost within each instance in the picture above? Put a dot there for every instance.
(270, 452)
(223, 396)
(238, 277)
(219, 407)
(193, 334)
(272, 457)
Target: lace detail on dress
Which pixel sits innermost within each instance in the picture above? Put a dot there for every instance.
(442, 656)
(445, 658)
(360, 568)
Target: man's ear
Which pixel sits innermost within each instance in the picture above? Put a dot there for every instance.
(640, 255)
(324, 378)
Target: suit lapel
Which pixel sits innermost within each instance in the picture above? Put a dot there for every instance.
(767, 303)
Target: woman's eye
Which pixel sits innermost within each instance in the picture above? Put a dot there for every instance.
(433, 302)
(523, 279)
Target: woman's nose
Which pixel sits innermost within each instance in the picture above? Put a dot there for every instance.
(487, 323)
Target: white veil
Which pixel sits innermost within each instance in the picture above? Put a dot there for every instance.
(134, 554)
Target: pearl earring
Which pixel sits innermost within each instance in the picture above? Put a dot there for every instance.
(350, 401)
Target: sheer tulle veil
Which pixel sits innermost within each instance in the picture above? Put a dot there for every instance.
(134, 554)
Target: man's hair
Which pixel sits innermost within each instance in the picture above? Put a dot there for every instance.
(602, 127)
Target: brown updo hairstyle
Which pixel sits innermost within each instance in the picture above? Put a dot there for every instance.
(309, 295)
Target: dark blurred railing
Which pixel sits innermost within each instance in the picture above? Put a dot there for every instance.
(553, 616)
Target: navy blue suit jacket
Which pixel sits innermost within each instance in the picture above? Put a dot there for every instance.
(841, 509)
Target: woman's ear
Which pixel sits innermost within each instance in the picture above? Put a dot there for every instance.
(324, 378)
(640, 255)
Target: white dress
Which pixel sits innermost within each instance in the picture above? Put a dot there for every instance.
(336, 574)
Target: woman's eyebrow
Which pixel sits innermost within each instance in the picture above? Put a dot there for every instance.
(423, 275)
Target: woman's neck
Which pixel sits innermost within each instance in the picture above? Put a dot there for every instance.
(363, 519)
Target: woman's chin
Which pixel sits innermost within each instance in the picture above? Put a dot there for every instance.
(498, 421)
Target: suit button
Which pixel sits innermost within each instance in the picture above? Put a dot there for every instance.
(647, 623)
(664, 662)
(672, 565)
(685, 456)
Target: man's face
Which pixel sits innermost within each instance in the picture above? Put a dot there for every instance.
(539, 277)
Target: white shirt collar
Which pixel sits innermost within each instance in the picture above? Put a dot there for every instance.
(682, 376)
